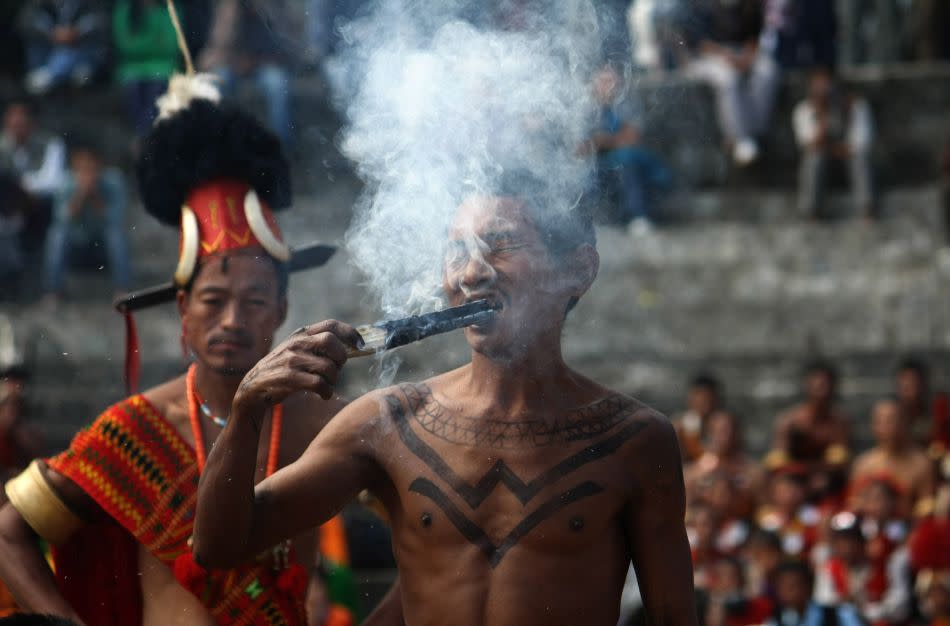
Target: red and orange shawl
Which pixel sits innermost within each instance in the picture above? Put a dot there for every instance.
(140, 470)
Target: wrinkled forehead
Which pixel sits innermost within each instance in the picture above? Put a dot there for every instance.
(479, 216)
(237, 270)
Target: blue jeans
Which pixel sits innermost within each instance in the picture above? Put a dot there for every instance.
(636, 176)
(66, 239)
(140, 97)
(62, 61)
(273, 81)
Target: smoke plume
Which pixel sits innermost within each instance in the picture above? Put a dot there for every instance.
(444, 99)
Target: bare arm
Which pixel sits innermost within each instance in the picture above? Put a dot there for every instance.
(23, 566)
(235, 521)
(656, 532)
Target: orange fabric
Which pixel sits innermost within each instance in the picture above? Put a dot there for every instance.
(333, 541)
(222, 224)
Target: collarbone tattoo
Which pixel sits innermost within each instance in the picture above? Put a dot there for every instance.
(580, 424)
(605, 420)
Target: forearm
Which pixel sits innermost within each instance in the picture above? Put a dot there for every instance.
(226, 493)
(24, 570)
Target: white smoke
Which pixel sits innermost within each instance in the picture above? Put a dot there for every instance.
(442, 100)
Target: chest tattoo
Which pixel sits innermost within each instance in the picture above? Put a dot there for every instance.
(419, 406)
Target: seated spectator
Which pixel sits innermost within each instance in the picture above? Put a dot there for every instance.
(254, 41)
(14, 210)
(788, 514)
(89, 213)
(883, 526)
(930, 540)
(702, 528)
(894, 458)
(933, 597)
(794, 581)
(763, 554)
(724, 41)
(702, 399)
(65, 41)
(815, 435)
(832, 126)
(724, 454)
(877, 589)
(38, 160)
(626, 169)
(19, 441)
(717, 491)
(912, 383)
(728, 603)
(146, 49)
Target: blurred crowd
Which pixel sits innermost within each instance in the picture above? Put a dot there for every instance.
(63, 204)
(814, 532)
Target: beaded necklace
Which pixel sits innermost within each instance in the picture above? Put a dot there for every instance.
(195, 410)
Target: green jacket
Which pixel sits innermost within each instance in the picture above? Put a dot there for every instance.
(149, 53)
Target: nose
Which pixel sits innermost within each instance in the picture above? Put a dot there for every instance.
(476, 273)
(232, 317)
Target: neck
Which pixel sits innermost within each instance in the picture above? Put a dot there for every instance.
(895, 447)
(528, 384)
(215, 389)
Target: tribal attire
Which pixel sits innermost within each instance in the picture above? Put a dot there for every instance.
(141, 472)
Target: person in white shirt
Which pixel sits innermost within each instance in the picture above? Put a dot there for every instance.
(831, 125)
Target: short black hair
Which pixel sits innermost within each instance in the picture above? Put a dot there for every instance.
(767, 538)
(706, 380)
(281, 269)
(911, 363)
(822, 366)
(84, 143)
(795, 568)
(561, 229)
(21, 101)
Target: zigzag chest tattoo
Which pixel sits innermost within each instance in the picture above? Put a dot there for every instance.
(604, 425)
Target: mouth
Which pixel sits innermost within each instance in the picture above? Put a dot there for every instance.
(230, 345)
(497, 304)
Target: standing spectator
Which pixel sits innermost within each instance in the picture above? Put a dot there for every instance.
(815, 434)
(724, 453)
(794, 607)
(703, 398)
(65, 40)
(254, 40)
(912, 383)
(895, 458)
(146, 50)
(788, 513)
(724, 40)
(625, 167)
(38, 160)
(89, 213)
(831, 125)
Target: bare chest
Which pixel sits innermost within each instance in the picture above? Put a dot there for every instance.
(498, 488)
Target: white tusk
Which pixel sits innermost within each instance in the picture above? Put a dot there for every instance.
(188, 257)
(261, 229)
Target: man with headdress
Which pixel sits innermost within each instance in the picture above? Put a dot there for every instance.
(117, 507)
(517, 489)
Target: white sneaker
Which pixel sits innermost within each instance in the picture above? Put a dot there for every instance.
(39, 81)
(745, 152)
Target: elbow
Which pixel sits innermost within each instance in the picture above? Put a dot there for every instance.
(210, 556)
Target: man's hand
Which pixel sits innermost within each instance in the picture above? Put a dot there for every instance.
(309, 360)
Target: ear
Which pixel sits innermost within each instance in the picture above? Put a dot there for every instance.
(181, 300)
(584, 264)
(282, 307)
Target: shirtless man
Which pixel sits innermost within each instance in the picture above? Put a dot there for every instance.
(895, 457)
(815, 433)
(517, 489)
